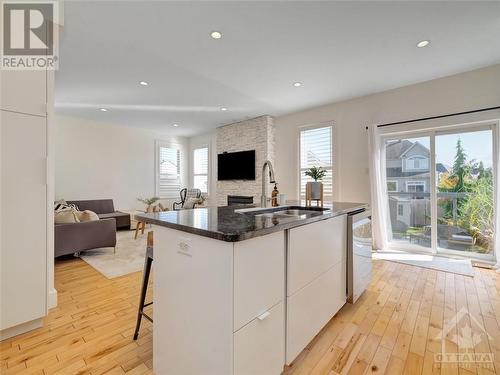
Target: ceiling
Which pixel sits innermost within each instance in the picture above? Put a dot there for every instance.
(338, 50)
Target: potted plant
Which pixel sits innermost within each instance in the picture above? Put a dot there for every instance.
(201, 200)
(317, 174)
(149, 202)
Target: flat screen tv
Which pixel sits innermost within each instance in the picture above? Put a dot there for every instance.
(236, 165)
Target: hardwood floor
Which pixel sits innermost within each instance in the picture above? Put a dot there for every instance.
(407, 317)
(90, 332)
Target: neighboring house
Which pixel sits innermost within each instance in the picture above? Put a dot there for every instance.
(408, 183)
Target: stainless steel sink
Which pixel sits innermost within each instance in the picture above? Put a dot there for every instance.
(278, 214)
(288, 212)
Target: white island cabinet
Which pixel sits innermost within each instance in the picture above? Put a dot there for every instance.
(246, 307)
(218, 306)
(316, 280)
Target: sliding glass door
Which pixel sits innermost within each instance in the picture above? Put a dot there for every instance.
(441, 191)
(465, 192)
(408, 178)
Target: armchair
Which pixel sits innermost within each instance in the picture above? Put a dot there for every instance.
(186, 194)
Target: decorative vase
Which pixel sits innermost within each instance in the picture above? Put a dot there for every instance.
(315, 189)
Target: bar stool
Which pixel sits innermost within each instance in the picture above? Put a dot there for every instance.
(145, 280)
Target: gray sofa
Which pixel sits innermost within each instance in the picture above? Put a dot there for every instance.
(105, 209)
(75, 237)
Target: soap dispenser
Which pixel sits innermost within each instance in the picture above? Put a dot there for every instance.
(274, 196)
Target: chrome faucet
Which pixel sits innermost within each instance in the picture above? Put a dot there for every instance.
(263, 197)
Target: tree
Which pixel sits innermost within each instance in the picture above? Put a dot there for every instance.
(460, 167)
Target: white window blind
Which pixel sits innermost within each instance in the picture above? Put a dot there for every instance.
(168, 171)
(316, 151)
(200, 169)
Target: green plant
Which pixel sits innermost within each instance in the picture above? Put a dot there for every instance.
(316, 173)
(477, 212)
(148, 201)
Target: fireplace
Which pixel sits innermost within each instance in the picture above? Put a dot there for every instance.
(239, 199)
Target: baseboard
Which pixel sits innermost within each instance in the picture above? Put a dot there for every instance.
(20, 329)
(52, 299)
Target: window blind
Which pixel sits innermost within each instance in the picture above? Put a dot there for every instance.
(169, 172)
(200, 169)
(316, 151)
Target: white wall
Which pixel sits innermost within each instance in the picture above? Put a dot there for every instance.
(458, 93)
(101, 160)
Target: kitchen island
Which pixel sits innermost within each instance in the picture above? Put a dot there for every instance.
(241, 290)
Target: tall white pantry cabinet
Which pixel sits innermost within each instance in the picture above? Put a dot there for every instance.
(26, 196)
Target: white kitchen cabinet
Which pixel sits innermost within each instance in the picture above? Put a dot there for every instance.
(259, 275)
(312, 307)
(206, 287)
(316, 279)
(23, 218)
(24, 91)
(313, 249)
(259, 347)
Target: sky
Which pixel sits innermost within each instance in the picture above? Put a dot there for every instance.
(477, 145)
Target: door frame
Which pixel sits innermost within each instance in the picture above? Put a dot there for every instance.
(432, 132)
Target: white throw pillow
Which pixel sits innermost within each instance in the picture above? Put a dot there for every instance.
(190, 203)
(87, 215)
(64, 217)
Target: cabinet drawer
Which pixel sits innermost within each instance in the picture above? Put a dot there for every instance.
(259, 274)
(312, 307)
(313, 249)
(259, 346)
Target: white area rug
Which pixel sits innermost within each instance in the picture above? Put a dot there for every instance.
(459, 266)
(129, 255)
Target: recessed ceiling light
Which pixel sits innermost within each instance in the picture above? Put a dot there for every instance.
(297, 84)
(223, 109)
(103, 109)
(143, 83)
(423, 43)
(216, 34)
(175, 125)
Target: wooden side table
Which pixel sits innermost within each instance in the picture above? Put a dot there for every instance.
(141, 225)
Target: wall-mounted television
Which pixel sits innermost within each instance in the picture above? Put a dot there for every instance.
(236, 165)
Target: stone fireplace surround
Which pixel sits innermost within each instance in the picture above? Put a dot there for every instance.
(254, 134)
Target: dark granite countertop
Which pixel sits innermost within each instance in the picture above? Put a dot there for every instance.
(238, 223)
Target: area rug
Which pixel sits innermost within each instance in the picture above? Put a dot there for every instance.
(458, 266)
(129, 256)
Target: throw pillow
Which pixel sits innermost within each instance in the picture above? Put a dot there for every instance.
(87, 215)
(66, 216)
(61, 205)
(190, 203)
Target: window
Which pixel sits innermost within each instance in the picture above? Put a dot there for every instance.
(316, 150)
(417, 162)
(415, 186)
(200, 169)
(401, 210)
(392, 186)
(168, 170)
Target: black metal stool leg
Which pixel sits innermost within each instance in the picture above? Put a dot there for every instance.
(144, 289)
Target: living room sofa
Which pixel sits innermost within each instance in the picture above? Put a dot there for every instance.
(72, 238)
(105, 209)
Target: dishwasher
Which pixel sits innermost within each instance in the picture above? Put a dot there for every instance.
(359, 253)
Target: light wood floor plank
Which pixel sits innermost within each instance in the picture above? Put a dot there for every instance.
(407, 316)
